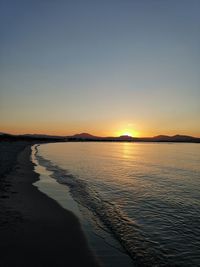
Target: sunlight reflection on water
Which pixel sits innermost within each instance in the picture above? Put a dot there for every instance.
(154, 186)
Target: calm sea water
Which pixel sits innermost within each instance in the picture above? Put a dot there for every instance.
(147, 194)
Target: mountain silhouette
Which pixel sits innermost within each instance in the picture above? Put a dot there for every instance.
(90, 137)
(85, 136)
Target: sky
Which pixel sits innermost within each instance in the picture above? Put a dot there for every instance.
(107, 67)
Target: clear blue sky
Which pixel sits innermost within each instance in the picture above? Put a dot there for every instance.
(101, 66)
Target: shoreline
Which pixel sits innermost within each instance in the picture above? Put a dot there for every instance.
(101, 240)
(34, 229)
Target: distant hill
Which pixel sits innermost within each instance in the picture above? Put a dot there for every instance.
(84, 136)
(89, 137)
(175, 138)
(159, 138)
(166, 138)
(125, 137)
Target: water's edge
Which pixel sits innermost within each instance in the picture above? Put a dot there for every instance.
(117, 223)
(78, 207)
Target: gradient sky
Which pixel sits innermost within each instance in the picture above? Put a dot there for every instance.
(102, 66)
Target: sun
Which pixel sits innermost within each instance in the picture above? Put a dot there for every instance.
(128, 132)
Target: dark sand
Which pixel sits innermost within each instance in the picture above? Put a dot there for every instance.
(34, 229)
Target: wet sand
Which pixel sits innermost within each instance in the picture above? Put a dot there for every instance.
(34, 229)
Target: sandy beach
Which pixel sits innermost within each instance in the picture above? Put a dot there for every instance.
(34, 229)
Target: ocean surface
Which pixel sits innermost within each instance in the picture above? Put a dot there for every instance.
(146, 194)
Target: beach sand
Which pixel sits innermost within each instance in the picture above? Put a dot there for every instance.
(34, 229)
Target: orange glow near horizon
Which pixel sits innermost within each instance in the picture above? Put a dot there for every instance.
(110, 131)
(66, 71)
(129, 132)
(62, 132)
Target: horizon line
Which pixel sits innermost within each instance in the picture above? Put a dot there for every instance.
(82, 133)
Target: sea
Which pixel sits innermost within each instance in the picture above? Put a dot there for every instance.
(144, 196)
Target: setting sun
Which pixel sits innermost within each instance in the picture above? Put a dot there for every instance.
(128, 132)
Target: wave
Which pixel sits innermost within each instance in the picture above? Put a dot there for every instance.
(127, 232)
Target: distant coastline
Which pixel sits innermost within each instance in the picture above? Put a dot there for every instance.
(85, 137)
